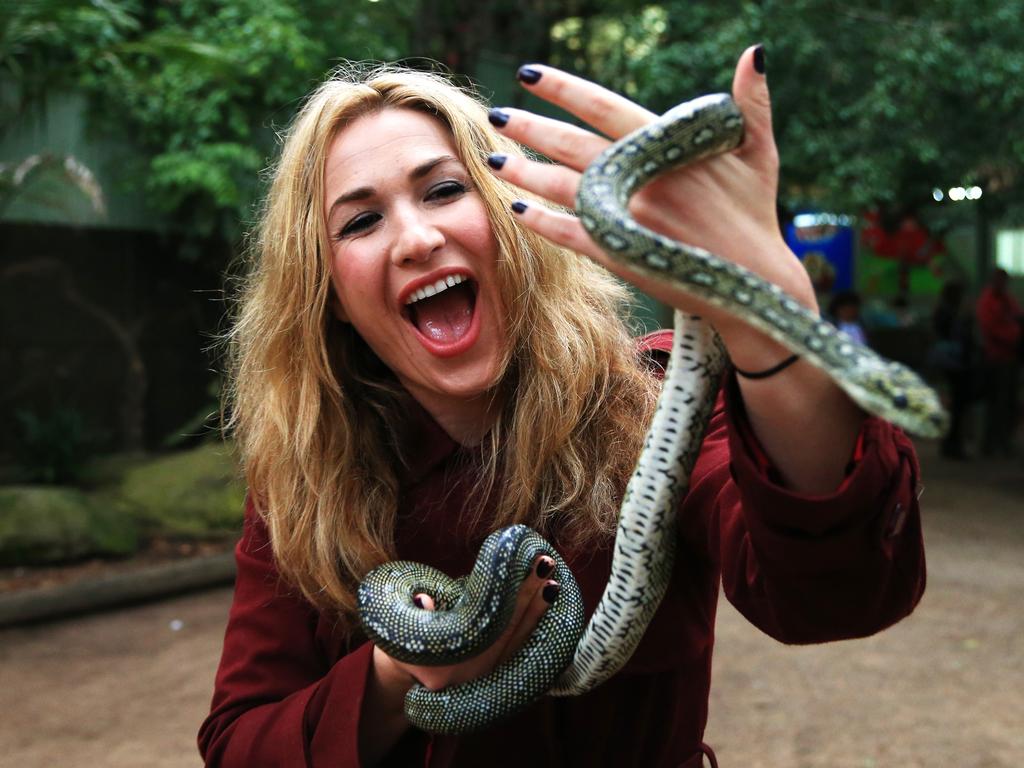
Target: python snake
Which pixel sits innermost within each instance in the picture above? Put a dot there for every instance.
(561, 658)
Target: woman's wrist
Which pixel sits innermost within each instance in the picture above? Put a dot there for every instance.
(750, 348)
(382, 721)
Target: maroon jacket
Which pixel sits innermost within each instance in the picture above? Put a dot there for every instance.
(804, 570)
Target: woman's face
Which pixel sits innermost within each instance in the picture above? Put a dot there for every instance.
(414, 259)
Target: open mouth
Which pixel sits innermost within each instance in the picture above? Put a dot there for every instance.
(442, 314)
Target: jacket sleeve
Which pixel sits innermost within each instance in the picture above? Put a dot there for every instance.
(804, 569)
(277, 700)
(811, 569)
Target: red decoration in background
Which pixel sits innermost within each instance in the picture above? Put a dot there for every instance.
(910, 243)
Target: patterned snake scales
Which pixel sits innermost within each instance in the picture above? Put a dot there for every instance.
(560, 658)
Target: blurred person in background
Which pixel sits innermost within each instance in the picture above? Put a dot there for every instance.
(999, 325)
(844, 311)
(379, 421)
(952, 353)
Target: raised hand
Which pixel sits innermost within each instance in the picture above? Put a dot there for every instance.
(725, 204)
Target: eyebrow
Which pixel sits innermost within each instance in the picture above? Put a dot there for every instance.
(362, 193)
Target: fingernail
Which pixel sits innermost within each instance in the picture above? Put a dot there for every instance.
(497, 162)
(418, 601)
(759, 59)
(528, 75)
(518, 206)
(544, 567)
(497, 118)
(550, 592)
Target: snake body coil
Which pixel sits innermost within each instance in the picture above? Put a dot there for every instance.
(470, 615)
(473, 612)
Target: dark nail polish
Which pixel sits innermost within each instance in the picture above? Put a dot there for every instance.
(418, 601)
(497, 118)
(497, 162)
(550, 593)
(528, 75)
(759, 59)
(518, 206)
(544, 568)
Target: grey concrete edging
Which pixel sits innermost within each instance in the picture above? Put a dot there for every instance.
(116, 589)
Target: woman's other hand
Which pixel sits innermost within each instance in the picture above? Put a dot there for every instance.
(535, 596)
(383, 719)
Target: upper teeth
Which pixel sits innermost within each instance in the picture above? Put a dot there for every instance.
(430, 290)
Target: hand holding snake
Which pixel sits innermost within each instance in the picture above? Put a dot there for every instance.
(532, 601)
(726, 205)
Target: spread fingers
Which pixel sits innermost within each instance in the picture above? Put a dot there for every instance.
(608, 112)
(562, 229)
(564, 143)
(555, 183)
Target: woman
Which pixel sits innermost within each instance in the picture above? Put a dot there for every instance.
(377, 422)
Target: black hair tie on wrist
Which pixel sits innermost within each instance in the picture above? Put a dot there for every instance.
(770, 371)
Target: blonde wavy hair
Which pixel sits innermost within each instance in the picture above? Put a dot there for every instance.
(318, 419)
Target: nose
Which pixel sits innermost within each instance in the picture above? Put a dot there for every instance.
(416, 239)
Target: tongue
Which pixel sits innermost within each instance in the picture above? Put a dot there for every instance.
(446, 316)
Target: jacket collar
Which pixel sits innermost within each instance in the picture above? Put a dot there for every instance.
(426, 445)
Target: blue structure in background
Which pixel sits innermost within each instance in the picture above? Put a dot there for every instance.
(825, 243)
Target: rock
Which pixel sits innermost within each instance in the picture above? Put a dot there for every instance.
(192, 494)
(48, 524)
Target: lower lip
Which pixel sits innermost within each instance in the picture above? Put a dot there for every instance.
(439, 349)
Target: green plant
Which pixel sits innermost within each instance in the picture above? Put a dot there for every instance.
(201, 427)
(868, 105)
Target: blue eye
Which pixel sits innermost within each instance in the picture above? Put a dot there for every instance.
(358, 224)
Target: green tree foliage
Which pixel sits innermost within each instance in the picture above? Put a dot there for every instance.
(199, 112)
(200, 85)
(211, 127)
(869, 105)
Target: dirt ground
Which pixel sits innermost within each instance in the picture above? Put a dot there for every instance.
(943, 688)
